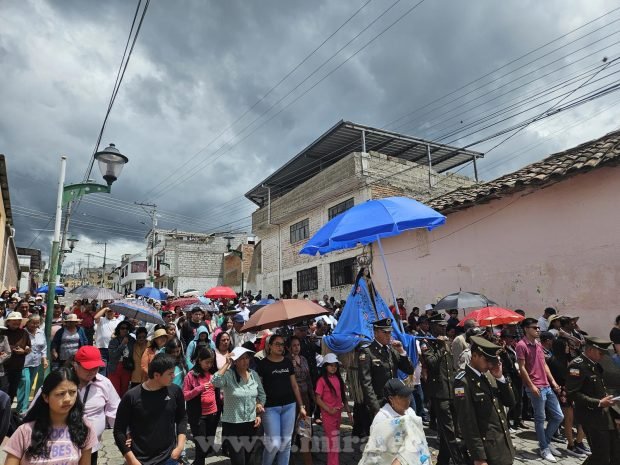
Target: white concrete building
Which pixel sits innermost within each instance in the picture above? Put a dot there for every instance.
(346, 166)
(132, 273)
(184, 260)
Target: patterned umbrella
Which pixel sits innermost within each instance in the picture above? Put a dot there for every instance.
(185, 301)
(100, 293)
(138, 309)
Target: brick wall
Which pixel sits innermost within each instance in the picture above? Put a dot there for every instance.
(358, 176)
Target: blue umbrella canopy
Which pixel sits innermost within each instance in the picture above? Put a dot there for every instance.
(43, 290)
(151, 293)
(138, 309)
(372, 220)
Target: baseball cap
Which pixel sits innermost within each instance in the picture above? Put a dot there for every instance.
(238, 318)
(89, 357)
(395, 387)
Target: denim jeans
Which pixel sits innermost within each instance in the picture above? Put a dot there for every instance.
(547, 400)
(279, 423)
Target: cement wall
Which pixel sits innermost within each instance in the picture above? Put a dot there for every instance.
(556, 246)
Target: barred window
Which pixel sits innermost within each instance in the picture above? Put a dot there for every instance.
(338, 209)
(341, 272)
(300, 231)
(307, 280)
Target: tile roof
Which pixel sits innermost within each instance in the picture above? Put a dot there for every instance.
(585, 157)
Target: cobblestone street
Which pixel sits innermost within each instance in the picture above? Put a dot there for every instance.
(524, 441)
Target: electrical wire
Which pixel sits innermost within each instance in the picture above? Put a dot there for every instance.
(261, 99)
(193, 172)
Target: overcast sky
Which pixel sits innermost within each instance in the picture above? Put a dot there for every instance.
(198, 66)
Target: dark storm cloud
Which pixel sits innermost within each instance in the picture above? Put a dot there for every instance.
(199, 65)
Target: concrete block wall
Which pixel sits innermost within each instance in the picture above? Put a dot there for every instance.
(359, 176)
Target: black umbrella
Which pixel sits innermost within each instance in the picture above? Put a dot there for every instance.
(463, 299)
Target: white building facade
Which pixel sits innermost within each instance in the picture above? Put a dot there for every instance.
(184, 260)
(132, 273)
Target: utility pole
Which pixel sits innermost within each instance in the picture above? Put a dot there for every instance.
(151, 210)
(105, 250)
(88, 268)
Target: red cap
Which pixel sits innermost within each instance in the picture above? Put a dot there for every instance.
(89, 357)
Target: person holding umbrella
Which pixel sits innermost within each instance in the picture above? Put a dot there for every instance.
(278, 378)
(379, 362)
(121, 363)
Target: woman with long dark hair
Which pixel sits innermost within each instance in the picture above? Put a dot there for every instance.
(54, 426)
(174, 347)
(278, 377)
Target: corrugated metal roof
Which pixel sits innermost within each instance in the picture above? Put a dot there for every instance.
(347, 137)
(585, 157)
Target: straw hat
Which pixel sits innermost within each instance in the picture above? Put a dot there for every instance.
(72, 318)
(159, 333)
(14, 316)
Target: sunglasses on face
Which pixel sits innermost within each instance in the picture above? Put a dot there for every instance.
(537, 328)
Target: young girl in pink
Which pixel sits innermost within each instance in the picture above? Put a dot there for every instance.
(331, 398)
(199, 394)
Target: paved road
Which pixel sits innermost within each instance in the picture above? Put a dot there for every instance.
(524, 440)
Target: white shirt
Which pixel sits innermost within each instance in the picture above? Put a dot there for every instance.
(387, 412)
(104, 331)
(543, 324)
(245, 312)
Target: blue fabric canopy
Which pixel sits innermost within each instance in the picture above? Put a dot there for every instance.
(355, 324)
(43, 290)
(368, 221)
(151, 293)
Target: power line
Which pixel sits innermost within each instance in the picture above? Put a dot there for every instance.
(207, 161)
(276, 85)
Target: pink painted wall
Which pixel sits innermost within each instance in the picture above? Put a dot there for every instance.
(558, 246)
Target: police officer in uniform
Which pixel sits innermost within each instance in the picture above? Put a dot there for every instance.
(437, 359)
(379, 362)
(480, 394)
(595, 410)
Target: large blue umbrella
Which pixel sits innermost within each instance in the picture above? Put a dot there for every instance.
(138, 309)
(151, 293)
(371, 221)
(43, 290)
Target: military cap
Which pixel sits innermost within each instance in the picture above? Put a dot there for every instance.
(598, 343)
(395, 387)
(484, 347)
(301, 325)
(384, 325)
(438, 319)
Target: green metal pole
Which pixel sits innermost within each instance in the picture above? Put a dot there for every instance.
(51, 294)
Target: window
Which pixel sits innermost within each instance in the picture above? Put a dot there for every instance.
(307, 280)
(341, 272)
(300, 231)
(338, 209)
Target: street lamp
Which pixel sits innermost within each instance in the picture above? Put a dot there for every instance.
(72, 240)
(111, 163)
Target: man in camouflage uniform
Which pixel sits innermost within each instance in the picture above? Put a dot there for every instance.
(595, 409)
(480, 394)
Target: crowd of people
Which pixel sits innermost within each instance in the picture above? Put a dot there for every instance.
(155, 383)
